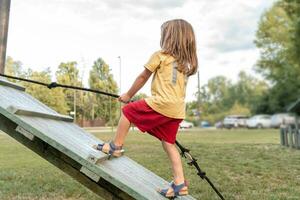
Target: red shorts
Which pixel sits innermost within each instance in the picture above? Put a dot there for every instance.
(147, 120)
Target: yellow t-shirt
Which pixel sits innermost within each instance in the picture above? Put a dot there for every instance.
(168, 86)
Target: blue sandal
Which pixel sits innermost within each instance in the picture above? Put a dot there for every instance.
(174, 190)
(110, 148)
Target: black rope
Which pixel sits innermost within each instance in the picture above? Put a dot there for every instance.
(193, 162)
(25, 80)
(184, 151)
(56, 85)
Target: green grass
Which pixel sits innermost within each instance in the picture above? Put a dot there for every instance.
(243, 164)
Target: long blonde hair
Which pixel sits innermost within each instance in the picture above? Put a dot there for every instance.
(178, 40)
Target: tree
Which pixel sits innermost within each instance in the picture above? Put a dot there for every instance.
(101, 78)
(68, 74)
(239, 109)
(292, 8)
(278, 40)
(248, 91)
(53, 98)
(220, 97)
(13, 68)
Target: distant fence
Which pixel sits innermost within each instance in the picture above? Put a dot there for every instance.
(290, 136)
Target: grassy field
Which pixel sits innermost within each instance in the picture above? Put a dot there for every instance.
(243, 164)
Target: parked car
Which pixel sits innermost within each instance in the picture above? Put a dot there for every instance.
(219, 124)
(282, 118)
(259, 121)
(235, 121)
(185, 124)
(205, 124)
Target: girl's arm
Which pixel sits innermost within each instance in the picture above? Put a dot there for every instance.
(136, 86)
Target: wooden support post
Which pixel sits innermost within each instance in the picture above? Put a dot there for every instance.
(286, 137)
(4, 19)
(294, 135)
(282, 139)
(290, 136)
(298, 138)
(297, 133)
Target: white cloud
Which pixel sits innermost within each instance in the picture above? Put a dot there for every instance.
(45, 33)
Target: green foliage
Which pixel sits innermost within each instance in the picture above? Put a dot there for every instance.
(68, 74)
(278, 40)
(13, 68)
(102, 79)
(88, 105)
(53, 98)
(220, 97)
(239, 109)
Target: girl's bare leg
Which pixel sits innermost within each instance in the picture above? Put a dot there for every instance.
(175, 160)
(122, 131)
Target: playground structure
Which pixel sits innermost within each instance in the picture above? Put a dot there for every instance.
(67, 146)
(64, 144)
(290, 134)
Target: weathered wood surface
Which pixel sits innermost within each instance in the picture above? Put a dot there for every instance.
(121, 178)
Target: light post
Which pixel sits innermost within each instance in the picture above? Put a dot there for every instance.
(120, 71)
(120, 68)
(199, 100)
(75, 106)
(74, 83)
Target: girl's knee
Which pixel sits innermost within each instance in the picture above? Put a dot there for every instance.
(167, 144)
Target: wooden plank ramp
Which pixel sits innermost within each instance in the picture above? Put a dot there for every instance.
(67, 146)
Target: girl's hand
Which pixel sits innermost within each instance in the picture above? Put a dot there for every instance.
(124, 98)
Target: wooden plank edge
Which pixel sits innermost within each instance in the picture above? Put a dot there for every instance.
(6, 83)
(21, 111)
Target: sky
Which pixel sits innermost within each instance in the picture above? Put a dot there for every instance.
(43, 34)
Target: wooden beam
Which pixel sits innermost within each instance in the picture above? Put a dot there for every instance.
(21, 111)
(4, 19)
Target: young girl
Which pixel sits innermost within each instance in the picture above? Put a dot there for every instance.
(161, 114)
